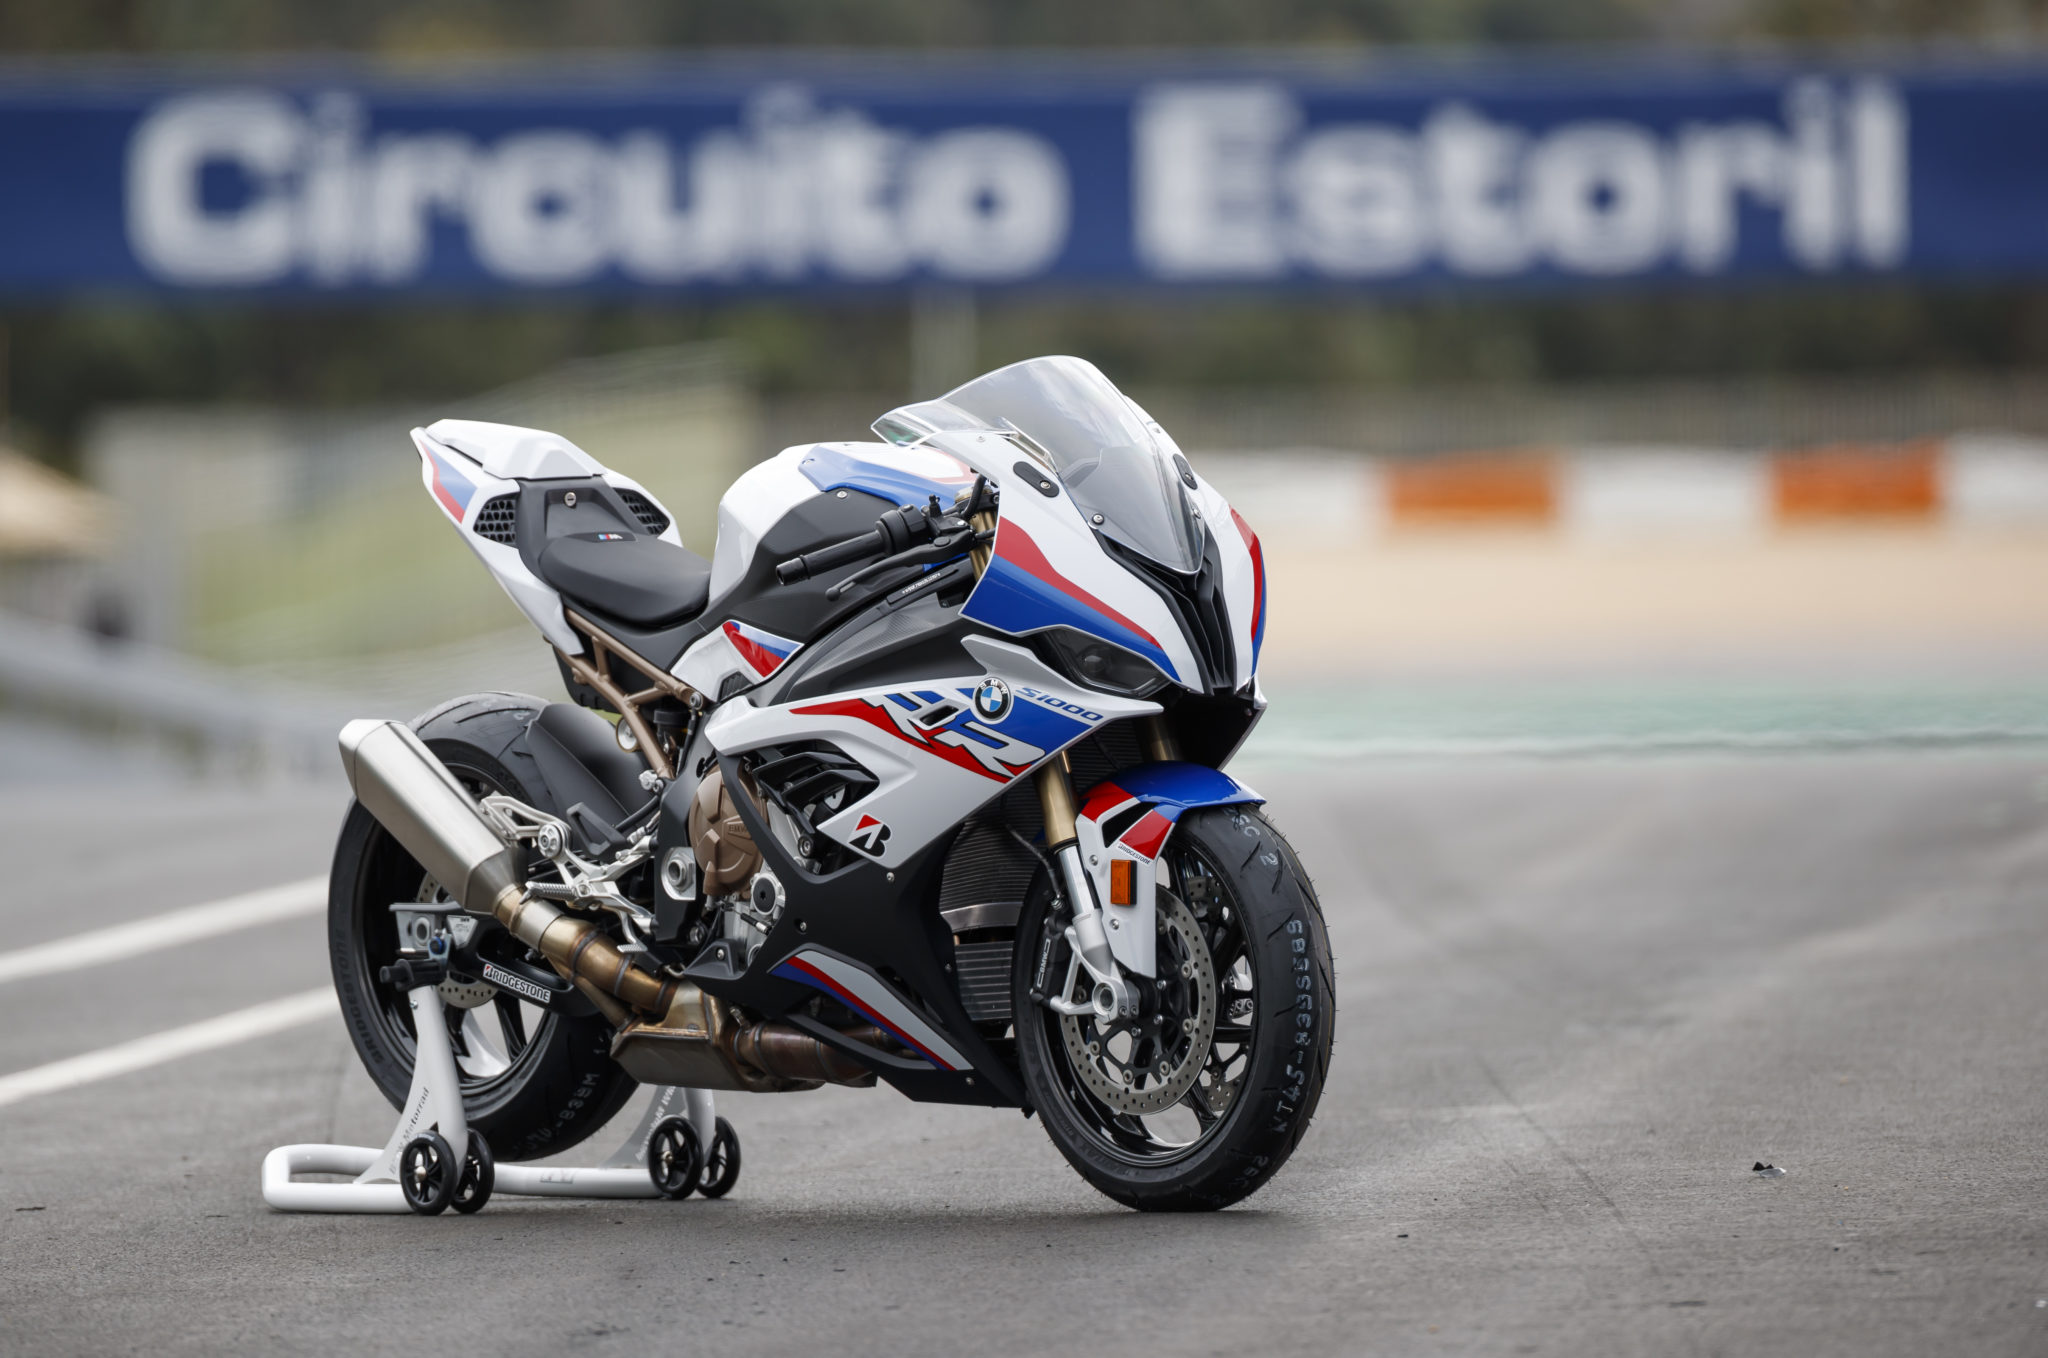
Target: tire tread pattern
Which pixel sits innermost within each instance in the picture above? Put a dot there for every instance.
(1296, 986)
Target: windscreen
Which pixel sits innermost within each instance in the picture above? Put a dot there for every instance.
(1113, 460)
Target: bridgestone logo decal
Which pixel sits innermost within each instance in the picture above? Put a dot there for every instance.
(519, 985)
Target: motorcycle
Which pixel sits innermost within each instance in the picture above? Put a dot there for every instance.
(918, 780)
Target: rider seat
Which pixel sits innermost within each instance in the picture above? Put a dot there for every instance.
(629, 576)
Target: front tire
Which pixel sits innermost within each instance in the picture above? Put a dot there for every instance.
(1195, 1122)
(532, 1082)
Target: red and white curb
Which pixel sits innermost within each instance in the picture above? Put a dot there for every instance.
(1969, 481)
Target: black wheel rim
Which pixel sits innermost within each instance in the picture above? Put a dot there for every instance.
(722, 1165)
(672, 1159)
(1196, 1118)
(479, 1175)
(423, 1173)
(494, 1044)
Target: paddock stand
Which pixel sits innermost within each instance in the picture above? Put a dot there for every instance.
(666, 1155)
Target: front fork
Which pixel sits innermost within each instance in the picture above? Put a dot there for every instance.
(1111, 994)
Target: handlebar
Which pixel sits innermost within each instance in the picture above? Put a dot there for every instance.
(826, 558)
(897, 533)
(894, 530)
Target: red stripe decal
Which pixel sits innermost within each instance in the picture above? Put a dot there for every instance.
(1147, 835)
(1106, 798)
(861, 1006)
(441, 491)
(873, 716)
(763, 661)
(1251, 543)
(1014, 545)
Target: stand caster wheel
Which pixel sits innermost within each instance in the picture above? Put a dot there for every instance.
(479, 1176)
(428, 1174)
(722, 1166)
(674, 1160)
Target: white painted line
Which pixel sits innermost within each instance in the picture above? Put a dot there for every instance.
(144, 1052)
(167, 930)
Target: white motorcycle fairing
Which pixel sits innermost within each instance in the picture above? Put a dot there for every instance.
(940, 750)
(468, 466)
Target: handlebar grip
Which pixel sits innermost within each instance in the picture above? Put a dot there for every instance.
(825, 558)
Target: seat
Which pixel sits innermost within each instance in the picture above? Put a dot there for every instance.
(629, 576)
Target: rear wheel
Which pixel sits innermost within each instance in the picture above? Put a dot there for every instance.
(1201, 1098)
(533, 1082)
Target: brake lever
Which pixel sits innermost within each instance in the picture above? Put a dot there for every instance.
(938, 549)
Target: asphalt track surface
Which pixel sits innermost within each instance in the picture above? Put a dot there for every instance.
(1578, 999)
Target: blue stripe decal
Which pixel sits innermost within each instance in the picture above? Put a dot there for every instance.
(1027, 720)
(1013, 600)
(1181, 786)
(831, 469)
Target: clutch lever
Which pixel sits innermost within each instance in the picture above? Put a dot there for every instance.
(942, 548)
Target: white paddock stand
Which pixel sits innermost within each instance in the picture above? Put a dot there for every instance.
(435, 1103)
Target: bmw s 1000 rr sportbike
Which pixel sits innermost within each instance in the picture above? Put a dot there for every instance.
(919, 779)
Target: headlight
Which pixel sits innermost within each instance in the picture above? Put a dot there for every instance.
(1104, 665)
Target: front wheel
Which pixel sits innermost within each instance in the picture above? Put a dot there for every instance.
(1199, 1099)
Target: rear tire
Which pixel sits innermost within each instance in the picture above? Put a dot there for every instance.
(1237, 887)
(561, 1085)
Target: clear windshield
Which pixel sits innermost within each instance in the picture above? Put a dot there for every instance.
(1112, 459)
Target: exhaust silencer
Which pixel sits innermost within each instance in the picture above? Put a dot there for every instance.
(414, 796)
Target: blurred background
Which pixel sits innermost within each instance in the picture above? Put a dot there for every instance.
(1599, 374)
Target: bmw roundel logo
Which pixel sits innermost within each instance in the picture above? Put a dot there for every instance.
(992, 699)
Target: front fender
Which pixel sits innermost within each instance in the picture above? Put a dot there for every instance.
(1127, 819)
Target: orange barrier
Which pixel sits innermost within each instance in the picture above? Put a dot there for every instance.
(1857, 481)
(1923, 480)
(1509, 487)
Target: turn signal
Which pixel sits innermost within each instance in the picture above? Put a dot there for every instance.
(1123, 882)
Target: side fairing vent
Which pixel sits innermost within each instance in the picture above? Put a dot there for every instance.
(498, 520)
(810, 782)
(652, 519)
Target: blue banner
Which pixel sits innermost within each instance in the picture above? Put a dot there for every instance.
(1003, 173)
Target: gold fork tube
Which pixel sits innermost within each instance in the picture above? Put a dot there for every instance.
(984, 522)
(1056, 800)
(1159, 742)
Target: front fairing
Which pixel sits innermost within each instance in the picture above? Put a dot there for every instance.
(1061, 561)
(1116, 462)
(1048, 570)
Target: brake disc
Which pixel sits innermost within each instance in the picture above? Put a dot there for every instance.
(1137, 1066)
